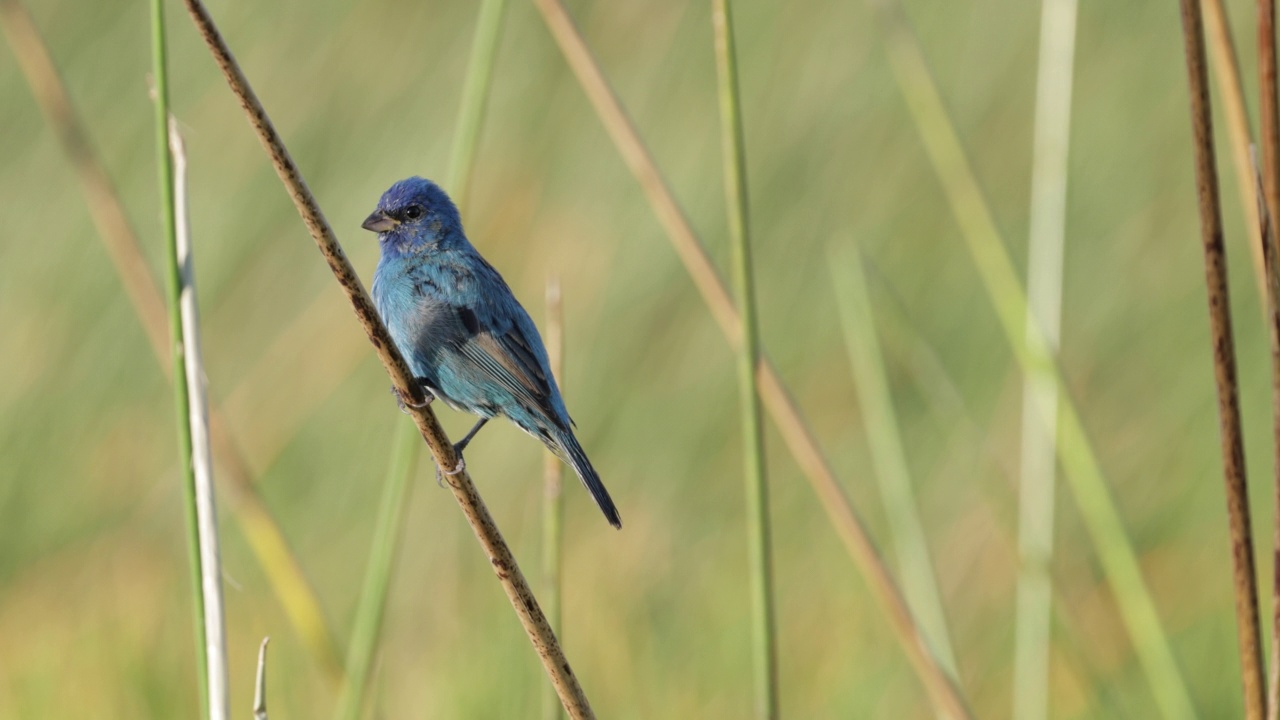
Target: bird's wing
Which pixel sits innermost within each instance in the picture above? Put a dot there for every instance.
(501, 341)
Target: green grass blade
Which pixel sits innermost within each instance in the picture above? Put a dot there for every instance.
(763, 628)
(377, 580)
(407, 446)
(173, 284)
(475, 97)
(1031, 349)
(1044, 290)
(915, 566)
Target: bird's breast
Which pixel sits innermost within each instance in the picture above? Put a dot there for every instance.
(414, 310)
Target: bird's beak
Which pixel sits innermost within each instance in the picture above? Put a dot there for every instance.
(379, 222)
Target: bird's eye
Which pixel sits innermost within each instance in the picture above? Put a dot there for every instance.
(413, 212)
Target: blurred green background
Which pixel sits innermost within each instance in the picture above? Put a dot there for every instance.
(94, 592)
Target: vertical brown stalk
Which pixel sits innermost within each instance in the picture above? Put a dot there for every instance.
(1224, 363)
(1269, 210)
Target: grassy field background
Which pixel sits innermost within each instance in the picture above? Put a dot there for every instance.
(94, 596)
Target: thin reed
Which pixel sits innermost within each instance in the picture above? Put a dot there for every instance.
(553, 492)
(1224, 363)
(888, 456)
(212, 694)
(215, 631)
(1268, 182)
(1044, 306)
(388, 529)
(1226, 67)
(759, 551)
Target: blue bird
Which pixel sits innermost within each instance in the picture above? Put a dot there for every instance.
(463, 333)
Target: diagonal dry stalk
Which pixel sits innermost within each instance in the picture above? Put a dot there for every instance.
(504, 564)
(282, 568)
(1224, 362)
(1269, 200)
(800, 441)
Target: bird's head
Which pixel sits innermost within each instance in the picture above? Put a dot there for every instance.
(414, 212)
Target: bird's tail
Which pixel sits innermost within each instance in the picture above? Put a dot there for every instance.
(571, 452)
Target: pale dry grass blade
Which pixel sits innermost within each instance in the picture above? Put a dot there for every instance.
(1044, 306)
(215, 631)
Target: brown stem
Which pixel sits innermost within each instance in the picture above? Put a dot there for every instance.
(1224, 363)
(1270, 210)
(473, 507)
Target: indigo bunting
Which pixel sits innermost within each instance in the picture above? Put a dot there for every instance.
(463, 333)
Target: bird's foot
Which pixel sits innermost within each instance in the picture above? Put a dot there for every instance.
(404, 403)
(462, 465)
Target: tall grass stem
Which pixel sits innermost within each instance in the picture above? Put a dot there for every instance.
(215, 631)
(522, 598)
(475, 97)
(1269, 180)
(371, 609)
(759, 553)
(182, 400)
(875, 400)
(1044, 300)
(1224, 364)
(800, 441)
(553, 492)
(1033, 353)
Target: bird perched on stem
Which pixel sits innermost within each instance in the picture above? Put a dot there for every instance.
(464, 335)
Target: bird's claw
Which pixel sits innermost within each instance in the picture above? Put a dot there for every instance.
(405, 404)
(462, 465)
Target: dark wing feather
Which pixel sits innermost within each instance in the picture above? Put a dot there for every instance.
(503, 353)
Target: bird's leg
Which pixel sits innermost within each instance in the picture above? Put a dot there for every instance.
(461, 445)
(458, 447)
(405, 404)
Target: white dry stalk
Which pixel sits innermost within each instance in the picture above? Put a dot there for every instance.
(1040, 394)
(201, 455)
(260, 683)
